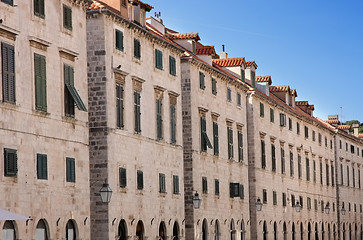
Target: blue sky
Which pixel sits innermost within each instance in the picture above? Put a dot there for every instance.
(315, 47)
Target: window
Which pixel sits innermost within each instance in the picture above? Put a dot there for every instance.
(332, 174)
(274, 198)
(263, 154)
(284, 199)
(41, 232)
(229, 94)
(204, 143)
(70, 230)
(314, 136)
(253, 78)
(204, 185)
(234, 190)
(137, 48)
(264, 196)
(39, 8)
(262, 109)
(176, 184)
(327, 174)
(172, 66)
(340, 144)
(140, 180)
(162, 187)
(326, 142)
(216, 187)
(348, 176)
(71, 95)
(272, 115)
(172, 123)
(319, 138)
(282, 120)
(283, 161)
(243, 75)
(159, 119)
(67, 17)
(308, 203)
(230, 142)
(299, 170)
(301, 201)
(321, 173)
(42, 169)
(273, 157)
(201, 80)
(307, 169)
(158, 59)
(322, 206)
(119, 105)
(315, 204)
(10, 162)
(292, 200)
(240, 146)
(346, 147)
(291, 164)
(314, 170)
(298, 128)
(215, 139)
(122, 177)
(70, 170)
(290, 124)
(214, 86)
(10, 2)
(8, 72)
(306, 130)
(8, 231)
(119, 41)
(359, 184)
(40, 82)
(241, 191)
(351, 148)
(137, 112)
(238, 99)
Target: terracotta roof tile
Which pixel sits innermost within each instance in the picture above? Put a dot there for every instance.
(251, 63)
(285, 88)
(97, 5)
(332, 121)
(360, 135)
(230, 62)
(176, 36)
(205, 50)
(264, 79)
(325, 123)
(344, 127)
(301, 103)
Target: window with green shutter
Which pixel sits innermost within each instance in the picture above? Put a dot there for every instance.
(253, 78)
(264, 196)
(67, 17)
(284, 199)
(291, 164)
(273, 157)
(39, 8)
(262, 109)
(162, 187)
(70, 169)
(230, 142)
(172, 124)
(137, 48)
(263, 154)
(240, 146)
(298, 128)
(137, 112)
(10, 2)
(159, 120)
(140, 180)
(229, 94)
(241, 191)
(10, 162)
(122, 177)
(8, 72)
(215, 139)
(299, 170)
(274, 197)
(119, 41)
(71, 96)
(42, 168)
(201, 80)
(158, 59)
(204, 185)
(283, 170)
(216, 187)
(272, 115)
(119, 106)
(172, 66)
(176, 184)
(238, 99)
(40, 82)
(204, 140)
(243, 75)
(282, 120)
(214, 86)
(307, 169)
(234, 190)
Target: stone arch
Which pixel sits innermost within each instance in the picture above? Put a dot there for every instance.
(162, 231)
(176, 231)
(42, 230)
(264, 231)
(122, 230)
(204, 229)
(140, 230)
(71, 230)
(9, 230)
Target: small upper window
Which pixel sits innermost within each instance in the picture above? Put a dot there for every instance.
(119, 41)
(137, 48)
(39, 8)
(158, 59)
(10, 2)
(67, 17)
(172, 66)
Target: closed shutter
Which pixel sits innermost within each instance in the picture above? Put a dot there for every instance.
(11, 162)
(263, 155)
(172, 66)
(176, 184)
(230, 142)
(262, 110)
(162, 187)
(67, 17)
(241, 191)
(70, 170)
(203, 142)
(240, 146)
(243, 76)
(137, 50)
(8, 72)
(119, 40)
(273, 155)
(122, 177)
(140, 180)
(159, 119)
(204, 185)
(172, 124)
(137, 112)
(234, 190)
(39, 8)
(215, 138)
(40, 82)
(42, 169)
(201, 80)
(158, 59)
(216, 187)
(119, 106)
(214, 86)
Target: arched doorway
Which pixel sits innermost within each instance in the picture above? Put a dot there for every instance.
(140, 232)
(162, 231)
(243, 230)
(316, 232)
(275, 231)
(322, 231)
(334, 232)
(232, 230)
(264, 231)
(122, 230)
(301, 231)
(71, 233)
(217, 231)
(284, 229)
(176, 231)
(309, 231)
(293, 231)
(343, 232)
(8, 232)
(350, 231)
(41, 232)
(356, 232)
(329, 232)
(205, 230)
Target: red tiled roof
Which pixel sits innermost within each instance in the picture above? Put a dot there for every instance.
(147, 7)
(325, 123)
(344, 127)
(280, 88)
(264, 79)
(301, 103)
(250, 63)
(97, 4)
(360, 135)
(205, 50)
(333, 121)
(176, 36)
(230, 62)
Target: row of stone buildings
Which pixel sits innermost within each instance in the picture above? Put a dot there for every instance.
(111, 95)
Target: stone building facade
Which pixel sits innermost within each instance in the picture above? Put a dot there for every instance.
(43, 134)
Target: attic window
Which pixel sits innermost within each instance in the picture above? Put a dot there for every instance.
(123, 3)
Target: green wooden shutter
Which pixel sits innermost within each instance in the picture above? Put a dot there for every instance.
(122, 177)
(243, 76)
(216, 186)
(137, 112)
(137, 50)
(140, 180)
(67, 17)
(230, 142)
(172, 123)
(42, 168)
(214, 86)
(176, 184)
(273, 157)
(39, 8)
(70, 170)
(40, 82)
(11, 162)
(119, 40)
(162, 187)
(238, 99)
(229, 94)
(201, 80)
(240, 146)
(204, 185)
(8, 72)
(241, 191)
(158, 59)
(272, 115)
(215, 138)
(172, 66)
(263, 155)
(159, 119)
(119, 106)
(262, 110)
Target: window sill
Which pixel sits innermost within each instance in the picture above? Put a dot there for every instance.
(40, 113)
(9, 105)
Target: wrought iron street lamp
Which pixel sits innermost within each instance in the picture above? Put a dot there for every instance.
(197, 200)
(327, 208)
(298, 207)
(258, 204)
(106, 193)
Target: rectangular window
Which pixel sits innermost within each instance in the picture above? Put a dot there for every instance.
(314, 170)
(346, 147)
(159, 119)
(243, 75)
(162, 187)
(176, 184)
(319, 138)
(67, 17)
(201, 80)
(359, 184)
(262, 109)
(306, 130)
(234, 190)
(307, 169)
(40, 82)
(284, 199)
(172, 123)
(229, 94)
(71, 96)
(172, 66)
(341, 175)
(240, 146)
(241, 191)
(351, 148)
(10, 2)
(315, 204)
(39, 8)
(215, 139)
(308, 203)
(291, 164)
(301, 201)
(299, 170)
(326, 142)
(158, 59)
(274, 198)
(137, 48)
(122, 177)
(282, 120)
(42, 168)
(264, 196)
(340, 144)
(263, 154)
(348, 182)
(119, 41)
(238, 99)
(272, 115)
(70, 169)
(283, 171)
(327, 174)
(321, 173)
(290, 124)
(216, 187)
(119, 106)
(298, 128)
(273, 157)
(332, 174)
(10, 162)
(214, 86)
(204, 140)
(314, 136)
(8, 72)
(137, 112)
(230, 142)
(292, 200)
(204, 185)
(140, 180)
(253, 78)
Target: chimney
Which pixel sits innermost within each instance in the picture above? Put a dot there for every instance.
(156, 23)
(355, 127)
(223, 54)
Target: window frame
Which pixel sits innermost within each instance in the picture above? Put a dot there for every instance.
(8, 72)
(158, 59)
(67, 17)
(70, 169)
(40, 82)
(137, 49)
(162, 185)
(122, 177)
(39, 8)
(119, 40)
(42, 168)
(10, 162)
(172, 66)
